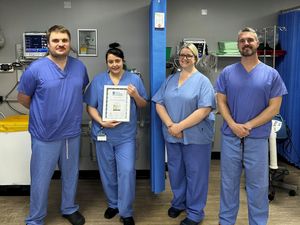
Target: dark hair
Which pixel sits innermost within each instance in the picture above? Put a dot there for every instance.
(114, 49)
(57, 28)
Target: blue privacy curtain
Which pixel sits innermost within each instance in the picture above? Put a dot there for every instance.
(157, 76)
(289, 68)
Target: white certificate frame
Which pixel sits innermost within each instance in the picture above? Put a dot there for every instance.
(116, 103)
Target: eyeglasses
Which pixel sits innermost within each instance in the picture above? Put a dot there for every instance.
(182, 56)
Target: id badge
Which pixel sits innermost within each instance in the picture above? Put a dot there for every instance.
(101, 136)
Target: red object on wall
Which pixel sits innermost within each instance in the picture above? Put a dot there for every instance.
(270, 52)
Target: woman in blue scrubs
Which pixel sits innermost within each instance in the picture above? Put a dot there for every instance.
(116, 141)
(184, 103)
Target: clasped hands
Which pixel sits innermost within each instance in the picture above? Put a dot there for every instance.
(175, 130)
(241, 130)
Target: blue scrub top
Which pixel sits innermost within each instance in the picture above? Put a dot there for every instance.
(248, 94)
(126, 131)
(56, 98)
(196, 92)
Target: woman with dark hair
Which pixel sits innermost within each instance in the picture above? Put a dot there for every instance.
(117, 140)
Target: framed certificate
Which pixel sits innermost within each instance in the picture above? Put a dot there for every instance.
(116, 103)
(87, 42)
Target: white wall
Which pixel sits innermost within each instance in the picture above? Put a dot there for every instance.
(224, 18)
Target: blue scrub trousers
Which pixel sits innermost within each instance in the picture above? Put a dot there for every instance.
(45, 156)
(254, 158)
(117, 170)
(188, 167)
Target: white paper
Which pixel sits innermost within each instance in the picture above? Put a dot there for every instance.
(116, 103)
(159, 20)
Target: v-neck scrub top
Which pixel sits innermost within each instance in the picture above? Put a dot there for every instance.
(249, 93)
(181, 101)
(125, 131)
(56, 98)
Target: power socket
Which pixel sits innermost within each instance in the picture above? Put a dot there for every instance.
(6, 68)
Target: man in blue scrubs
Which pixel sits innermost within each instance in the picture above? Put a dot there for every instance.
(249, 95)
(52, 89)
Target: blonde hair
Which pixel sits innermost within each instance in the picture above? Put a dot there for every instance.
(193, 48)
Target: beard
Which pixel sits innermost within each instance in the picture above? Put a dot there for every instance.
(54, 54)
(248, 51)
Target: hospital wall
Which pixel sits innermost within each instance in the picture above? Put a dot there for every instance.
(127, 22)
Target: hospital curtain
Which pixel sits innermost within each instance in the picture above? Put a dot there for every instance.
(289, 68)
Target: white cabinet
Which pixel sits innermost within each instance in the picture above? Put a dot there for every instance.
(15, 154)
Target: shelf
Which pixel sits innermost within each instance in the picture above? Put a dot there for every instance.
(271, 53)
(260, 53)
(227, 56)
(234, 56)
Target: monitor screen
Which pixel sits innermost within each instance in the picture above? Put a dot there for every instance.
(199, 43)
(34, 44)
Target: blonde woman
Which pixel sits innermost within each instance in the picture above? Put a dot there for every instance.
(185, 103)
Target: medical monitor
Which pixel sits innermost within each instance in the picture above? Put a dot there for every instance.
(34, 44)
(198, 42)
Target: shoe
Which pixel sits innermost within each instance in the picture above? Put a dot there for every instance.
(110, 212)
(188, 221)
(75, 218)
(173, 212)
(127, 220)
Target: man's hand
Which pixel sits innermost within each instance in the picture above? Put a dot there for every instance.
(240, 130)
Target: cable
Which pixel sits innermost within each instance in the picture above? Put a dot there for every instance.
(206, 64)
(2, 114)
(17, 64)
(12, 108)
(14, 87)
(7, 102)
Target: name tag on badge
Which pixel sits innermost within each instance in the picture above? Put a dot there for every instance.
(101, 137)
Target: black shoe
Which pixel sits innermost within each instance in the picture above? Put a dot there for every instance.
(75, 218)
(110, 212)
(173, 212)
(127, 220)
(188, 221)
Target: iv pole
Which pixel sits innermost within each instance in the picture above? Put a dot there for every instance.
(275, 27)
